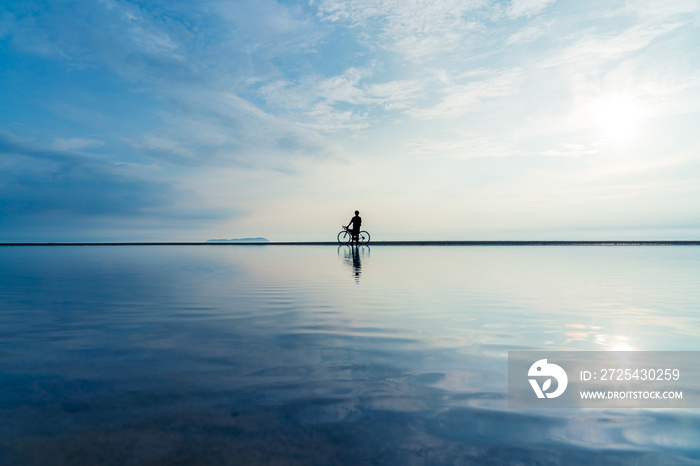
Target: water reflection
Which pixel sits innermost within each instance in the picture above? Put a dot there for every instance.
(271, 354)
(352, 256)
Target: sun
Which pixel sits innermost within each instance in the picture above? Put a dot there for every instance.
(621, 347)
(616, 117)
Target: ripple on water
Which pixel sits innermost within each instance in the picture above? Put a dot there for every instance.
(273, 355)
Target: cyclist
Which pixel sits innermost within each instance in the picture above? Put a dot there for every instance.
(356, 222)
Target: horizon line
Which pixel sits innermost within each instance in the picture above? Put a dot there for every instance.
(374, 243)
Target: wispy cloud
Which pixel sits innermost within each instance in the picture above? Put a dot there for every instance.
(529, 33)
(518, 8)
(572, 150)
(76, 144)
(462, 97)
(40, 179)
(349, 101)
(463, 145)
(414, 28)
(594, 48)
(659, 10)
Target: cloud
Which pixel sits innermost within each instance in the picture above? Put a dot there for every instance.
(323, 104)
(344, 102)
(218, 128)
(327, 119)
(529, 33)
(622, 32)
(196, 68)
(398, 94)
(142, 48)
(463, 146)
(343, 88)
(38, 180)
(7, 24)
(176, 42)
(518, 8)
(613, 46)
(170, 148)
(657, 10)
(424, 30)
(264, 28)
(572, 150)
(76, 143)
(460, 98)
(355, 99)
(415, 29)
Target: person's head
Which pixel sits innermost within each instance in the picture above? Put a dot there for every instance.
(357, 212)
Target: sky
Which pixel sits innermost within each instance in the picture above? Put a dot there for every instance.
(436, 119)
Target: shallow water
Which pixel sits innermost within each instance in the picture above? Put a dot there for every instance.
(325, 355)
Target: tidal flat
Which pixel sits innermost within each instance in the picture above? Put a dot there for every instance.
(322, 354)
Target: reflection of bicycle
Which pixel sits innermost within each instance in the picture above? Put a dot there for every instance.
(345, 237)
(352, 257)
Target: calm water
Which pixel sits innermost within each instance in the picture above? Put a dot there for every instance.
(325, 355)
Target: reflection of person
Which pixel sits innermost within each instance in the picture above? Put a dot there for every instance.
(356, 264)
(352, 258)
(356, 222)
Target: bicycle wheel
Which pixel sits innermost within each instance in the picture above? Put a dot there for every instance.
(344, 237)
(363, 237)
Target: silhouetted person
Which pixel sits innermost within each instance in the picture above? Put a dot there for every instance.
(356, 222)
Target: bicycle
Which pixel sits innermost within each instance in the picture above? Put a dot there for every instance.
(345, 237)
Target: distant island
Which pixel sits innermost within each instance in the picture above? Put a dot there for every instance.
(239, 240)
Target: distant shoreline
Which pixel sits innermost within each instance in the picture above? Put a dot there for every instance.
(376, 243)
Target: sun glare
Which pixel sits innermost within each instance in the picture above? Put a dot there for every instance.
(622, 347)
(616, 117)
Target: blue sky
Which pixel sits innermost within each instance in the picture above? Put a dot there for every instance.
(437, 119)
